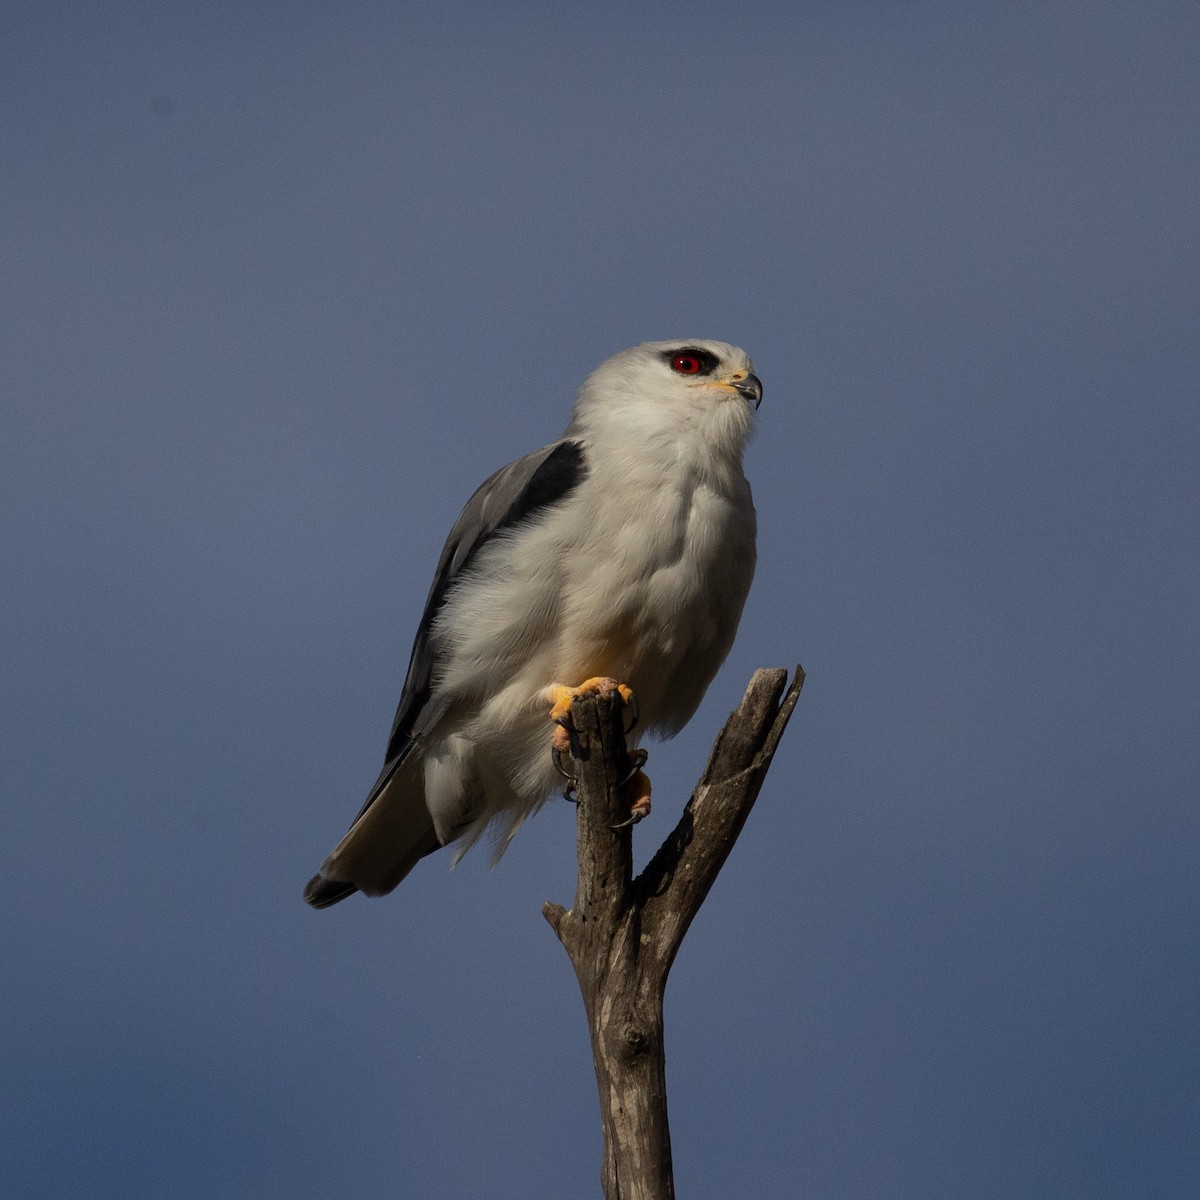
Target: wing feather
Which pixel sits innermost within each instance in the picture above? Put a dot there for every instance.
(512, 494)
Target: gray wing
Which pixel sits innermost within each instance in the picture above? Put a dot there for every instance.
(381, 850)
(402, 835)
(512, 494)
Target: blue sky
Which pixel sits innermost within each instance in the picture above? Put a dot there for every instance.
(280, 287)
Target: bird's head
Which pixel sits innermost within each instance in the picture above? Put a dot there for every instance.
(678, 389)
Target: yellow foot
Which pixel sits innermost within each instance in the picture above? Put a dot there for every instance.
(560, 697)
(639, 795)
(565, 740)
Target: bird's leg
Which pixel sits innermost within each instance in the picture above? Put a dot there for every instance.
(565, 739)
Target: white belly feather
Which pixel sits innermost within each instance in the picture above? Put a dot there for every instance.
(656, 582)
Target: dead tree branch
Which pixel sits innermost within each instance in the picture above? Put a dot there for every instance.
(622, 934)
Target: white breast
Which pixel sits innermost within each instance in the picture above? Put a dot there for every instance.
(639, 574)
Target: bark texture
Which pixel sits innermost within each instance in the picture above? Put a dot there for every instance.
(622, 933)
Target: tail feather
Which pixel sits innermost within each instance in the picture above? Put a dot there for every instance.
(322, 893)
(392, 834)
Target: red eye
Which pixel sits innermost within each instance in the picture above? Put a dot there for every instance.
(686, 364)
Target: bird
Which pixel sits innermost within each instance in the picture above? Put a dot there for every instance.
(618, 556)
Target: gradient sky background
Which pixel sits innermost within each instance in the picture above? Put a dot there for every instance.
(281, 285)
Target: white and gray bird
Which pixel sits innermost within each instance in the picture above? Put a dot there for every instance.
(622, 551)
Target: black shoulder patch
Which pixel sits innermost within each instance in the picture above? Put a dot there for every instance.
(559, 474)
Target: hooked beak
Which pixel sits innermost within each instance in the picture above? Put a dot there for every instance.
(750, 388)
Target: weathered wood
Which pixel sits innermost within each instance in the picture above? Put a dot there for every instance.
(622, 934)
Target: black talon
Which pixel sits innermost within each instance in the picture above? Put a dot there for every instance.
(568, 792)
(633, 713)
(578, 746)
(637, 760)
(556, 759)
(634, 818)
